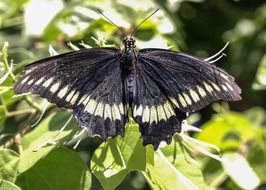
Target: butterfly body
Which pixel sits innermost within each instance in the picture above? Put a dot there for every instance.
(100, 84)
(128, 62)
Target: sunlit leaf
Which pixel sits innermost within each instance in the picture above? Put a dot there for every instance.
(113, 160)
(7, 185)
(237, 167)
(162, 174)
(227, 131)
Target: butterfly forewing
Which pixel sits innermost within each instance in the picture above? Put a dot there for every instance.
(87, 81)
(189, 83)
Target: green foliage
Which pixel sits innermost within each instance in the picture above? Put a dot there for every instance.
(112, 161)
(66, 171)
(227, 131)
(40, 156)
(43, 139)
(7, 185)
(8, 164)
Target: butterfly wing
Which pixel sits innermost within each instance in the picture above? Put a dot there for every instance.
(189, 83)
(87, 81)
(169, 84)
(152, 110)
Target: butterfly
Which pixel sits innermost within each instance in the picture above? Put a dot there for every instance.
(100, 85)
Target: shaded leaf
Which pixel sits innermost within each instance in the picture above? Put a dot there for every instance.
(9, 161)
(260, 80)
(35, 144)
(60, 169)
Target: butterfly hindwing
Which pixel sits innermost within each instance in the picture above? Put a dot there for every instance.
(157, 118)
(102, 111)
(87, 81)
(189, 83)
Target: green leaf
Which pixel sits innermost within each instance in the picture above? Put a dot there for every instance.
(238, 168)
(260, 81)
(227, 131)
(161, 174)
(257, 155)
(6, 185)
(60, 169)
(34, 143)
(168, 167)
(113, 160)
(9, 161)
(182, 161)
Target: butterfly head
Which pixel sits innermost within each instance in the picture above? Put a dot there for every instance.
(129, 43)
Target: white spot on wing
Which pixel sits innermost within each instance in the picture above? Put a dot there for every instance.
(224, 76)
(194, 95)
(146, 114)
(82, 99)
(161, 114)
(74, 98)
(91, 106)
(24, 80)
(216, 86)
(47, 83)
(121, 108)
(208, 87)
(107, 112)
(229, 86)
(99, 110)
(188, 100)
(54, 87)
(137, 111)
(30, 82)
(182, 101)
(115, 112)
(173, 100)
(70, 95)
(62, 92)
(153, 115)
(168, 109)
(39, 81)
(224, 87)
(201, 91)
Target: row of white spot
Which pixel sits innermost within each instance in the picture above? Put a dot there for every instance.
(165, 111)
(186, 101)
(98, 108)
(92, 106)
(71, 97)
(154, 114)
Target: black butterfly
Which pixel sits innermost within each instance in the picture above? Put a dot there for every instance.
(101, 84)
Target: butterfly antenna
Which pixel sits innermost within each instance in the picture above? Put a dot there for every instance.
(132, 34)
(111, 22)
